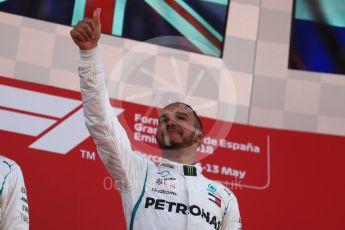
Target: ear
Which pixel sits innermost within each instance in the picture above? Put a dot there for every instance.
(199, 136)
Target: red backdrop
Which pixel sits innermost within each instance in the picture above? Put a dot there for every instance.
(283, 179)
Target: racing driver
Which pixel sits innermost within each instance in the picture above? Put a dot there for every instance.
(14, 212)
(172, 195)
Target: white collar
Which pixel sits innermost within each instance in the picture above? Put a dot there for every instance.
(184, 169)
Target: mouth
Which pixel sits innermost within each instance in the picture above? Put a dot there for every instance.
(173, 131)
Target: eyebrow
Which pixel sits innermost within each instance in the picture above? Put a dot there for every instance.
(181, 113)
(176, 113)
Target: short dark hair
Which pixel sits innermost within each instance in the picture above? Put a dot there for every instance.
(198, 123)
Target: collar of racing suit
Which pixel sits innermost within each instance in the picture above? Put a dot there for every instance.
(184, 169)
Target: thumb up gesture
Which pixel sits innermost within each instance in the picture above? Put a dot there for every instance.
(88, 31)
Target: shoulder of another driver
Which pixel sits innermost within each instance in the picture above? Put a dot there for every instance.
(7, 165)
(11, 175)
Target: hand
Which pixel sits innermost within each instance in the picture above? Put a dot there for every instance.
(88, 31)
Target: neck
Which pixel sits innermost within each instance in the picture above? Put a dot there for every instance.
(184, 156)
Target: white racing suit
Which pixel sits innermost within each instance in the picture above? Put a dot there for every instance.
(168, 196)
(14, 212)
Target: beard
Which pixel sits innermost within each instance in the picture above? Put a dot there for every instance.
(166, 144)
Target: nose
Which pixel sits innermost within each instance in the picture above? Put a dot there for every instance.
(169, 122)
(167, 125)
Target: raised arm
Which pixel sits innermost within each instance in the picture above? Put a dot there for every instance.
(109, 136)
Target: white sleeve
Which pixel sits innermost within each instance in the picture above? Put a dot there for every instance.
(15, 209)
(109, 136)
(232, 218)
